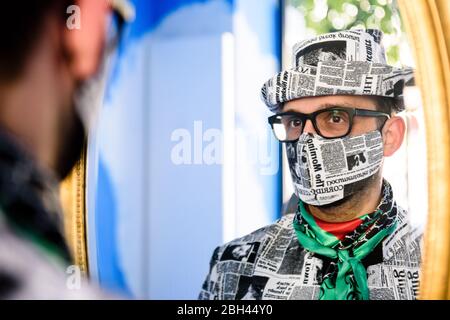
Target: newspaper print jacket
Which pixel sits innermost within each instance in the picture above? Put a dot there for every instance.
(270, 264)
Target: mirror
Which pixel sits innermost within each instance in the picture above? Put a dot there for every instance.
(428, 30)
(427, 26)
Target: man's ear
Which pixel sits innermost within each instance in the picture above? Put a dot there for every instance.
(393, 133)
(84, 39)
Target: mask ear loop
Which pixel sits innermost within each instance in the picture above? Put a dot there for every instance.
(91, 94)
(382, 125)
(380, 129)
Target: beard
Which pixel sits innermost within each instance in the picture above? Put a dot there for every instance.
(74, 123)
(355, 193)
(71, 144)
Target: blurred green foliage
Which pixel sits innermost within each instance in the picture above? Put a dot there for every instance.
(323, 16)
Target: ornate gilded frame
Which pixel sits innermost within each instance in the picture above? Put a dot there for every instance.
(73, 199)
(427, 24)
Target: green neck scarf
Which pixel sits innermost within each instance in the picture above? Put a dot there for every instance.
(346, 277)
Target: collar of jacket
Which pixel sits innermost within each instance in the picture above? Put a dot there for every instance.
(29, 201)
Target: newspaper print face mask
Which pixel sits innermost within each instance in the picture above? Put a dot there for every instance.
(327, 170)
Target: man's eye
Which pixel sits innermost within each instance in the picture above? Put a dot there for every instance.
(295, 123)
(336, 119)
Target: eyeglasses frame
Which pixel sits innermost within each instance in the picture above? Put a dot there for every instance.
(352, 112)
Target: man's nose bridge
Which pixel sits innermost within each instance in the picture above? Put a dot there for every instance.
(309, 128)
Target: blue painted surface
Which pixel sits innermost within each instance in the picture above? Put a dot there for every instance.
(156, 223)
(185, 199)
(150, 13)
(111, 275)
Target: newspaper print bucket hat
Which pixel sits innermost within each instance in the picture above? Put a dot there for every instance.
(351, 62)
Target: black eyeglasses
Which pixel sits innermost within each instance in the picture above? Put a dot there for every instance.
(122, 12)
(115, 32)
(330, 123)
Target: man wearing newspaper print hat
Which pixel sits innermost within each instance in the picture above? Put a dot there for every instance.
(335, 111)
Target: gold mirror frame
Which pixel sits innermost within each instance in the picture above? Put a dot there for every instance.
(73, 200)
(427, 25)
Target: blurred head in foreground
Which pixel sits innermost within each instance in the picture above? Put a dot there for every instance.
(51, 48)
(52, 65)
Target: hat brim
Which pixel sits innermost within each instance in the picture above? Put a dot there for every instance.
(336, 78)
